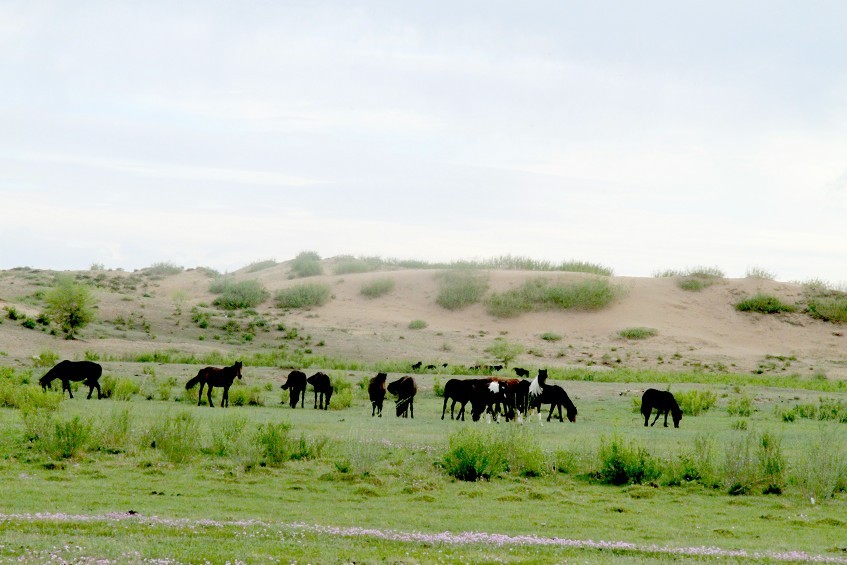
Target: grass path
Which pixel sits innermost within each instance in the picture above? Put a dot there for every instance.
(279, 538)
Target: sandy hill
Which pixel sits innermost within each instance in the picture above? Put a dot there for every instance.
(144, 311)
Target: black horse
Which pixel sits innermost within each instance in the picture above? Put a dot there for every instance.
(86, 371)
(405, 390)
(556, 397)
(296, 387)
(664, 402)
(461, 391)
(376, 392)
(323, 387)
(215, 376)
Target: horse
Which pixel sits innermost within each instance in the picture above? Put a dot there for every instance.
(461, 391)
(296, 385)
(405, 390)
(212, 377)
(664, 402)
(376, 392)
(556, 397)
(521, 372)
(536, 388)
(86, 371)
(488, 396)
(323, 388)
(515, 393)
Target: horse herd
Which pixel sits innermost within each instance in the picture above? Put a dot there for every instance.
(492, 396)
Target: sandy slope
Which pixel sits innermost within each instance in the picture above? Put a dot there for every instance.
(695, 329)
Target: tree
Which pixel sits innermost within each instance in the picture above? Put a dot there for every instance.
(70, 305)
(504, 351)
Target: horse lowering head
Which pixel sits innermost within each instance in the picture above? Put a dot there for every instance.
(237, 368)
(676, 414)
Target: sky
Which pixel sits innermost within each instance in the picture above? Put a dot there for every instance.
(642, 136)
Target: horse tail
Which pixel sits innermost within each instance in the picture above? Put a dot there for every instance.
(190, 384)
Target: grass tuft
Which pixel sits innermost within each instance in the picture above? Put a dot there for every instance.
(377, 287)
(460, 288)
(638, 333)
(765, 304)
(541, 294)
(303, 296)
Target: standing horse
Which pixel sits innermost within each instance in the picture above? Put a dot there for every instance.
(323, 387)
(460, 391)
(214, 376)
(536, 388)
(556, 397)
(296, 387)
(664, 402)
(405, 390)
(76, 371)
(376, 392)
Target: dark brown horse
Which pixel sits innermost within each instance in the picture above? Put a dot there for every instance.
(296, 387)
(323, 387)
(405, 390)
(556, 397)
(214, 376)
(664, 402)
(376, 392)
(86, 371)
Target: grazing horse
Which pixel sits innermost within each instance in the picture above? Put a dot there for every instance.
(86, 371)
(488, 396)
(556, 397)
(405, 390)
(296, 387)
(664, 402)
(323, 388)
(457, 390)
(521, 372)
(215, 376)
(417, 365)
(376, 392)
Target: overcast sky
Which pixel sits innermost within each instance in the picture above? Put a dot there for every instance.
(643, 136)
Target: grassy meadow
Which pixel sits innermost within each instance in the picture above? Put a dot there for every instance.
(260, 483)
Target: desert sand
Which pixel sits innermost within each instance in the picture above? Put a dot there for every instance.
(696, 330)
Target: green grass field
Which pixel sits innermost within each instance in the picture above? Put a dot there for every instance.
(374, 489)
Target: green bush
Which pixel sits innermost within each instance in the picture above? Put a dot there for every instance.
(437, 388)
(417, 324)
(623, 463)
(176, 436)
(163, 269)
(306, 264)
(347, 264)
(695, 402)
(227, 434)
(342, 393)
(70, 304)
(638, 333)
(460, 288)
(47, 358)
(125, 389)
(741, 406)
(540, 294)
(832, 308)
(303, 296)
(276, 445)
(549, 336)
(377, 287)
(236, 295)
(246, 396)
(765, 304)
(115, 431)
(65, 438)
(821, 470)
(473, 455)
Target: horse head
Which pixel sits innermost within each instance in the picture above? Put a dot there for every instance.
(676, 414)
(238, 366)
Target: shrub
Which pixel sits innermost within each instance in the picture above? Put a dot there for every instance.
(771, 463)
(820, 470)
(276, 446)
(764, 304)
(70, 304)
(540, 294)
(125, 389)
(460, 288)
(548, 336)
(246, 396)
(695, 402)
(242, 294)
(828, 308)
(758, 273)
(625, 463)
(227, 434)
(65, 438)
(359, 457)
(47, 358)
(303, 296)
(695, 465)
(741, 406)
(260, 265)
(348, 264)
(175, 436)
(342, 393)
(417, 324)
(115, 431)
(473, 454)
(638, 333)
(163, 269)
(739, 469)
(504, 351)
(754, 463)
(377, 287)
(307, 264)
(437, 388)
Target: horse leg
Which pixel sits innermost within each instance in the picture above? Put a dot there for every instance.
(646, 418)
(444, 408)
(666, 417)
(412, 408)
(90, 390)
(66, 384)
(658, 413)
(209, 395)
(225, 397)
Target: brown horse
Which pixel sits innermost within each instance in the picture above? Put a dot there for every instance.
(214, 376)
(376, 392)
(66, 371)
(296, 387)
